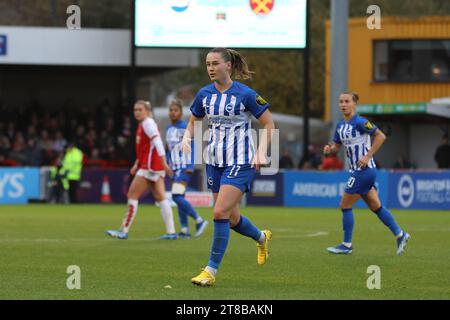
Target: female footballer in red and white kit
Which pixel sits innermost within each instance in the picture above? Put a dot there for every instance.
(149, 171)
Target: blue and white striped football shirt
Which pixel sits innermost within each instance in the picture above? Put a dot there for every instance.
(176, 158)
(355, 136)
(229, 122)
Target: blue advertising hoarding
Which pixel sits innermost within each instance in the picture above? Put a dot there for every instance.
(18, 185)
(420, 190)
(3, 45)
(266, 191)
(323, 189)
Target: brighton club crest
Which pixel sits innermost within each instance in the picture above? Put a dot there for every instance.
(180, 5)
(262, 7)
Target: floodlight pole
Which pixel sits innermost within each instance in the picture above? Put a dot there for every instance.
(132, 76)
(132, 69)
(339, 60)
(339, 56)
(306, 79)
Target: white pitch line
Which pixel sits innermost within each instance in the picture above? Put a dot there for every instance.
(309, 235)
(317, 234)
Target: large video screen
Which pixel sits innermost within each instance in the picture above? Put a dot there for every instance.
(221, 23)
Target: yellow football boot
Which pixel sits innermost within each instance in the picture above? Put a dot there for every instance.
(204, 279)
(263, 249)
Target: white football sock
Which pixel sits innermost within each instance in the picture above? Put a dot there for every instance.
(184, 230)
(167, 215)
(199, 219)
(262, 238)
(129, 216)
(211, 270)
(347, 244)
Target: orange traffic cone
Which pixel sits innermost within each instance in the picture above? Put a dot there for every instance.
(106, 191)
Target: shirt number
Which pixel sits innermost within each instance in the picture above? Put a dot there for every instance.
(236, 169)
(351, 182)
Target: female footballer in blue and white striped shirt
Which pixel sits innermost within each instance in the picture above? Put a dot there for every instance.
(183, 168)
(354, 133)
(231, 159)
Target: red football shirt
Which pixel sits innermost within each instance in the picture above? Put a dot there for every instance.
(145, 150)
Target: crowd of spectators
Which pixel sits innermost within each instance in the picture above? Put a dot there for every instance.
(314, 160)
(35, 136)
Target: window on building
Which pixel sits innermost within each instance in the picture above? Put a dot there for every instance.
(412, 60)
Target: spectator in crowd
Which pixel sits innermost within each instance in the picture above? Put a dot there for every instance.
(59, 183)
(52, 125)
(286, 161)
(91, 125)
(70, 130)
(402, 163)
(59, 143)
(34, 153)
(29, 129)
(11, 131)
(18, 152)
(31, 133)
(105, 144)
(123, 150)
(110, 126)
(442, 154)
(45, 143)
(79, 139)
(312, 160)
(91, 141)
(95, 155)
(110, 151)
(73, 163)
(34, 121)
(331, 162)
(5, 146)
(305, 163)
(126, 127)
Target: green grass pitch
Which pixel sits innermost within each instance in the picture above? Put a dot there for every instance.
(39, 242)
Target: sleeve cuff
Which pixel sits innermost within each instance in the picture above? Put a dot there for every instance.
(257, 116)
(197, 115)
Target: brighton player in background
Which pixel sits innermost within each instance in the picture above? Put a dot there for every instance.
(231, 159)
(354, 133)
(149, 170)
(183, 168)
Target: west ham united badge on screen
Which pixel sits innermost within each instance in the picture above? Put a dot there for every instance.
(262, 7)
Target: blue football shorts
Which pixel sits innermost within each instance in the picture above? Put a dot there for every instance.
(361, 182)
(180, 176)
(239, 176)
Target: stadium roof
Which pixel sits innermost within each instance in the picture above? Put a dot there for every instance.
(86, 47)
